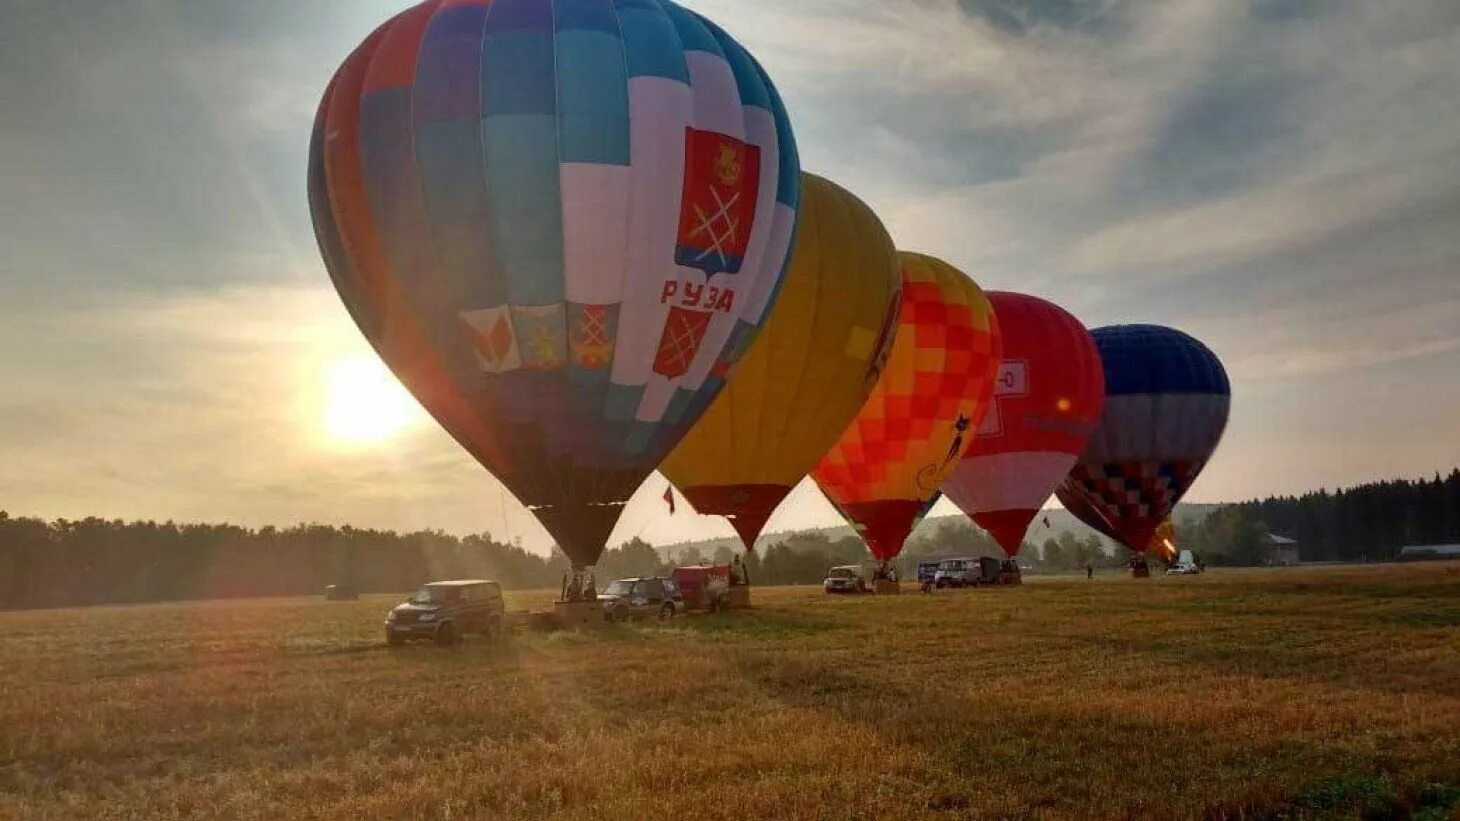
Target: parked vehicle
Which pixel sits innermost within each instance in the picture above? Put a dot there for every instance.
(959, 571)
(845, 578)
(641, 599)
(990, 570)
(445, 611)
(965, 571)
(1185, 565)
(927, 572)
(704, 586)
(341, 592)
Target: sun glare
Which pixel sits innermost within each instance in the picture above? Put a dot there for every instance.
(364, 404)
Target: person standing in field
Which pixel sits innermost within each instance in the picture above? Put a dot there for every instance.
(1089, 570)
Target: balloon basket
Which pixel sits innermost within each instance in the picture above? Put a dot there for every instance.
(1140, 570)
(575, 614)
(883, 587)
(738, 598)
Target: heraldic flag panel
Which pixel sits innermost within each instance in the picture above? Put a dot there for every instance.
(916, 424)
(559, 223)
(1166, 402)
(808, 372)
(1047, 400)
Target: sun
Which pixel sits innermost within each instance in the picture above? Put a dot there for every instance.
(364, 404)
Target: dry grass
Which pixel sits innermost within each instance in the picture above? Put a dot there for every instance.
(1275, 693)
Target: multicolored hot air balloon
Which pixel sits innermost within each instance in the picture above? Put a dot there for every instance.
(559, 224)
(1166, 404)
(1047, 400)
(889, 463)
(808, 372)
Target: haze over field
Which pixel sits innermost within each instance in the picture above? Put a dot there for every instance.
(1281, 179)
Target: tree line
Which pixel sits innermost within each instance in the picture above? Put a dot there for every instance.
(98, 561)
(65, 563)
(1369, 522)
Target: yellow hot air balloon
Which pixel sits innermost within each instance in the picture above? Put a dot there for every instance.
(808, 372)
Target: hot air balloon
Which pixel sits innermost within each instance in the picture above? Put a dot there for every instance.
(1166, 404)
(1047, 400)
(808, 372)
(559, 224)
(886, 468)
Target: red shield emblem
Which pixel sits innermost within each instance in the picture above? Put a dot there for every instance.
(717, 207)
(683, 333)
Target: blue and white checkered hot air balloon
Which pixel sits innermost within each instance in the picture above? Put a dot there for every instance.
(559, 222)
(1166, 402)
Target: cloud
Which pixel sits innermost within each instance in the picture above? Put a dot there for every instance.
(1280, 178)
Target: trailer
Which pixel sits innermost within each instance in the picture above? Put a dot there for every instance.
(706, 587)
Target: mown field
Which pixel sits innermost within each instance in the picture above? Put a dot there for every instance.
(1284, 693)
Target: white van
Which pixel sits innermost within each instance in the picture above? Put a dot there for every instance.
(959, 571)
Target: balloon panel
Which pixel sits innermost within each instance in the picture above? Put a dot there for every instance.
(1166, 407)
(560, 224)
(808, 371)
(1047, 400)
(915, 425)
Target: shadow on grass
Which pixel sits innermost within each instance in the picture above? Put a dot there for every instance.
(1361, 795)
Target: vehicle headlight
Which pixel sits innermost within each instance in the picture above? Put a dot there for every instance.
(426, 617)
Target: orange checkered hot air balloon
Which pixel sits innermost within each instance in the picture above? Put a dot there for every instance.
(889, 463)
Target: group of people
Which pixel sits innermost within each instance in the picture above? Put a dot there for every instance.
(579, 586)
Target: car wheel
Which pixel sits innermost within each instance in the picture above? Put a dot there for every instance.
(393, 640)
(666, 612)
(445, 635)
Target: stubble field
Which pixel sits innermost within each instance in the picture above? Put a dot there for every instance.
(1284, 693)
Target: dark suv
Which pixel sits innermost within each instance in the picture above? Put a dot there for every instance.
(641, 599)
(444, 611)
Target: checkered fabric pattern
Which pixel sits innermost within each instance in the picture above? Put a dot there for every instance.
(1135, 497)
(938, 379)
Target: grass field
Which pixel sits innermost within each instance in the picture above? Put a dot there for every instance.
(1265, 693)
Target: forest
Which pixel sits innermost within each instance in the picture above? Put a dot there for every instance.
(97, 561)
(1369, 522)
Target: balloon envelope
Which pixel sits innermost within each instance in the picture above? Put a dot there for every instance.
(889, 463)
(559, 224)
(1166, 403)
(808, 372)
(1047, 400)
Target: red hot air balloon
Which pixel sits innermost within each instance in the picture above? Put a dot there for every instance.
(1047, 400)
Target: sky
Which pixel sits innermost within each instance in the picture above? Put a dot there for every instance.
(1280, 179)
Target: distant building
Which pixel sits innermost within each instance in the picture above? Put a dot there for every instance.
(1429, 552)
(1279, 551)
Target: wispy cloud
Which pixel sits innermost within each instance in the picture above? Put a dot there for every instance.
(1280, 178)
